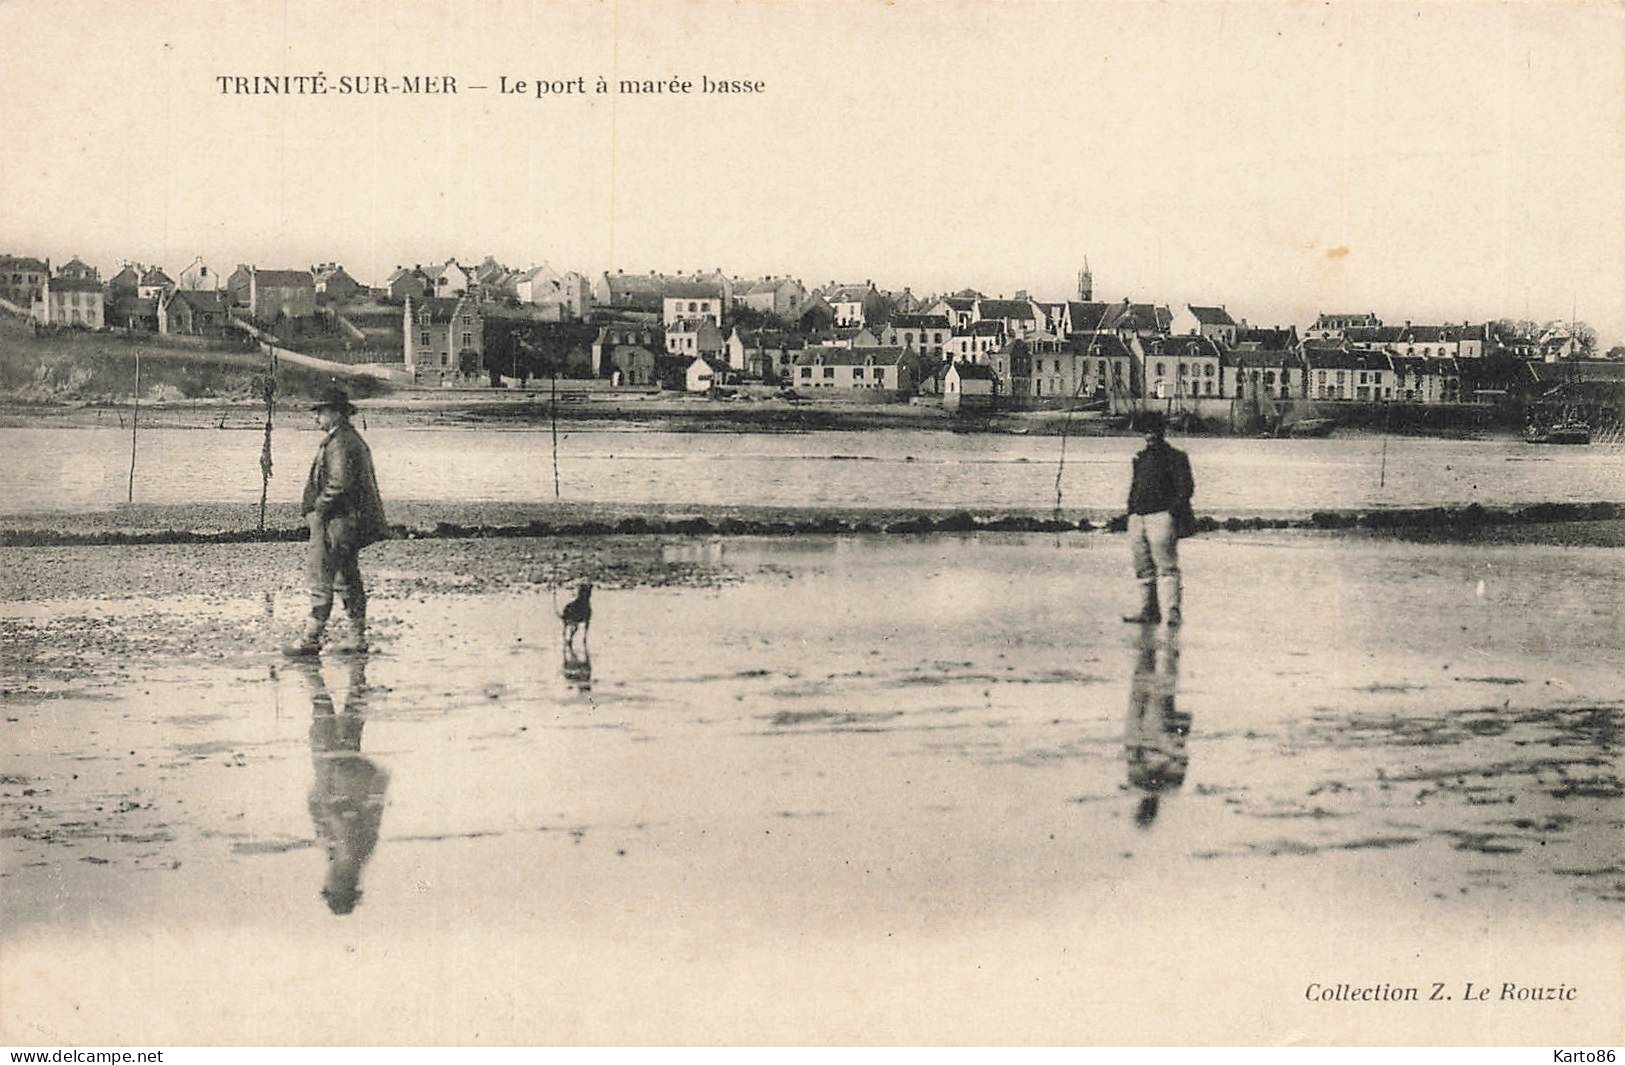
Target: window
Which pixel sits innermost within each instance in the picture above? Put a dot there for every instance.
(1160, 369)
(468, 340)
(857, 371)
(1207, 369)
(829, 371)
(806, 371)
(423, 338)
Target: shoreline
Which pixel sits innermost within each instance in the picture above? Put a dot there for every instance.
(1598, 523)
(529, 411)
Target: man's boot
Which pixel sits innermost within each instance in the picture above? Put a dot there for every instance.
(1149, 614)
(309, 642)
(354, 639)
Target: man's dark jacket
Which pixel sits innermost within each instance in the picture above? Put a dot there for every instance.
(1162, 480)
(343, 489)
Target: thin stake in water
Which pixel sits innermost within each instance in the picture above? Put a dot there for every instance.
(135, 413)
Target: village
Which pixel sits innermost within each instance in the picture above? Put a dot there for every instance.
(449, 326)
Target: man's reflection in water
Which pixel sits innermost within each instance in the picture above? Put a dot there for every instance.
(1154, 737)
(347, 795)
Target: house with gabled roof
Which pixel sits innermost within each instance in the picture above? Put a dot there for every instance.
(78, 270)
(855, 304)
(1181, 366)
(1214, 323)
(21, 278)
(975, 342)
(1333, 326)
(621, 291)
(154, 284)
(334, 284)
(772, 295)
(705, 374)
(1108, 365)
(126, 282)
(629, 335)
(272, 294)
(449, 279)
(407, 282)
(1144, 319)
(1254, 371)
(765, 355)
(1341, 372)
(968, 385)
(1418, 379)
(1273, 338)
(689, 337)
(1041, 366)
(927, 334)
(692, 300)
(850, 369)
(70, 301)
(444, 339)
(959, 310)
(1019, 317)
(189, 312)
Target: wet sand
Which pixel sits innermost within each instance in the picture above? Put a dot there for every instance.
(821, 789)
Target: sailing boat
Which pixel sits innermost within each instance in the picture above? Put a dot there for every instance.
(1571, 425)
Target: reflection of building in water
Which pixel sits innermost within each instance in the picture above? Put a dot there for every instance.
(347, 794)
(1154, 736)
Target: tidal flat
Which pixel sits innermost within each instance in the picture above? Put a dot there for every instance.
(819, 789)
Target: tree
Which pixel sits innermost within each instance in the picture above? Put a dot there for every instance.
(1617, 352)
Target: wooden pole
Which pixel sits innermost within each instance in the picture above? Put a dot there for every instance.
(135, 413)
(554, 410)
(265, 452)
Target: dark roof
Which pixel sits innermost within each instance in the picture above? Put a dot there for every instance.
(1324, 358)
(21, 262)
(205, 300)
(282, 278)
(1268, 339)
(1191, 347)
(766, 338)
(919, 321)
(847, 293)
(1100, 345)
(959, 303)
(440, 308)
(75, 284)
(1211, 315)
(155, 276)
(828, 356)
(974, 371)
(1020, 310)
(693, 290)
(1374, 334)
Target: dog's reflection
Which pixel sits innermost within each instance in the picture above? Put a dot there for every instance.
(1155, 734)
(577, 668)
(347, 794)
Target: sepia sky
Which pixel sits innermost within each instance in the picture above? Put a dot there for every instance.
(1432, 163)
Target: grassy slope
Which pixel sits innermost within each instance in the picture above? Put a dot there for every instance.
(100, 367)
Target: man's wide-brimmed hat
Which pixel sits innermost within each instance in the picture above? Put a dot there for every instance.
(334, 399)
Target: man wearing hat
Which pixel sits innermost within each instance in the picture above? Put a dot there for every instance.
(344, 511)
(1161, 489)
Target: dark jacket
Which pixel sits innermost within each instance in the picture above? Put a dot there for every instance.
(343, 489)
(1162, 480)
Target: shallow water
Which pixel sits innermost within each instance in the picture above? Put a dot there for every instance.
(88, 469)
(886, 778)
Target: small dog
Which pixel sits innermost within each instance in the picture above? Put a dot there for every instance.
(578, 615)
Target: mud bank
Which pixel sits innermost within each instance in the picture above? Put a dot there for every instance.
(1599, 523)
(783, 801)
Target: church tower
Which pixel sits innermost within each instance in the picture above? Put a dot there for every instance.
(1086, 283)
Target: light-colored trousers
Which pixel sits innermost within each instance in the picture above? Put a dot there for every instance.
(1155, 550)
(329, 566)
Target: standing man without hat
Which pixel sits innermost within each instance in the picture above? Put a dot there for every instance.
(345, 513)
(1158, 514)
